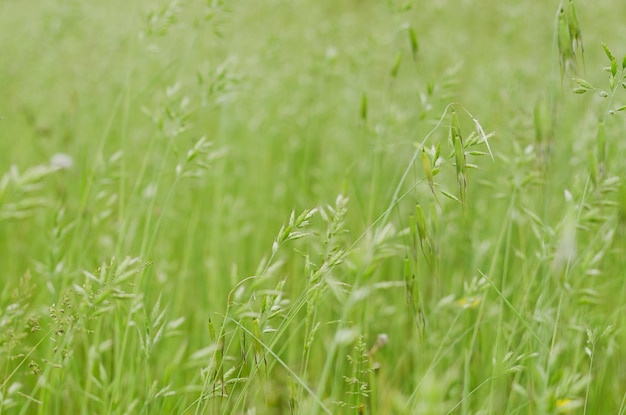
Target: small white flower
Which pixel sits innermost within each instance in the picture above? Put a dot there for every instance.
(382, 339)
(331, 53)
(60, 161)
(150, 191)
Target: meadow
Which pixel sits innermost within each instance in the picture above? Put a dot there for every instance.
(312, 207)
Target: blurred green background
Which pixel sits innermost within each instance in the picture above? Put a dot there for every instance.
(301, 101)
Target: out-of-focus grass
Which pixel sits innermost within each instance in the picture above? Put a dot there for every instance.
(196, 130)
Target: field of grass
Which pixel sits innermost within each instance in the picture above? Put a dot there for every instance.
(312, 207)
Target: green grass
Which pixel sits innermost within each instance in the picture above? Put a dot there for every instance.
(312, 207)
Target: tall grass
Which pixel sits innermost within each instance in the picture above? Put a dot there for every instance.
(312, 207)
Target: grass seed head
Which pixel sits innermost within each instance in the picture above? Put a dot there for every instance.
(414, 43)
(420, 221)
(426, 164)
(566, 53)
(364, 107)
(396, 65)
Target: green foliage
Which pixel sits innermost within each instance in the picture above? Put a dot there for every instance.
(312, 207)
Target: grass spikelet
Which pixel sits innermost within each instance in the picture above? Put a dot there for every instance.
(395, 68)
(428, 171)
(421, 223)
(226, 208)
(358, 380)
(413, 42)
(414, 299)
(459, 155)
(363, 111)
(575, 31)
(566, 53)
